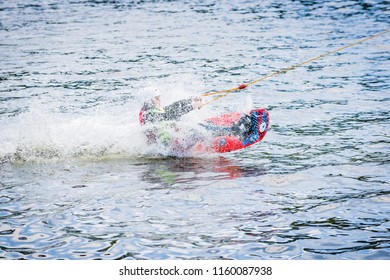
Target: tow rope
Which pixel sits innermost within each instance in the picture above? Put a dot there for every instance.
(222, 93)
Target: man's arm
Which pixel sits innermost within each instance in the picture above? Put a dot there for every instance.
(178, 109)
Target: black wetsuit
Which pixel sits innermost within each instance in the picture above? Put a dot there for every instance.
(151, 114)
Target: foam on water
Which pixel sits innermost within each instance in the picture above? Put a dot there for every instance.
(43, 132)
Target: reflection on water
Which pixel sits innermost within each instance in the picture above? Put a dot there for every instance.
(214, 208)
(171, 171)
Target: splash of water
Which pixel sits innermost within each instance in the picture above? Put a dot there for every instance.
(42, 133)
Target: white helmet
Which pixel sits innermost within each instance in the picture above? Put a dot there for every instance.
(147, 94)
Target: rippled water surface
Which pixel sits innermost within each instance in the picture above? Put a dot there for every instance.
(77, 180)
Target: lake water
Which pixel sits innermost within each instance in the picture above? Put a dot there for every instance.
(78, 181)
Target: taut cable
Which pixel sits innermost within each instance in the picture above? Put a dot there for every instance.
(225, 92)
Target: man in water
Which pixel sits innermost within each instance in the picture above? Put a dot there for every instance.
(153, 113)
(160, 120)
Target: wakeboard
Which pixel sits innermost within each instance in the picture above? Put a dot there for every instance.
(220, 134)
(230, 141)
